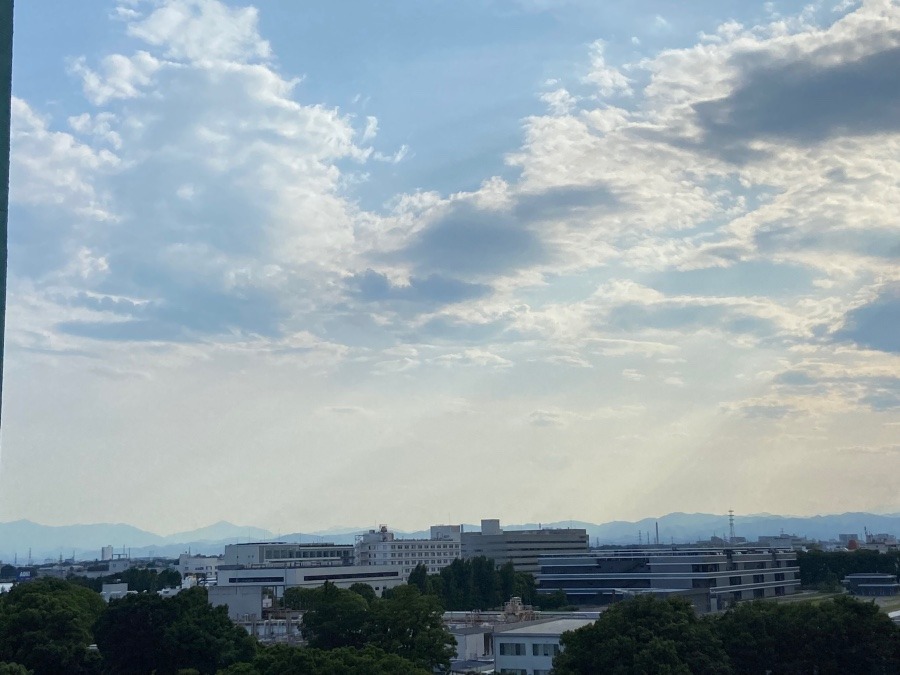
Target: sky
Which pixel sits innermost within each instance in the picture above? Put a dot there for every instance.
(305, 265)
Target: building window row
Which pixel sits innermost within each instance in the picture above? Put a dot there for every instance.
(545, 649)
(512, 649)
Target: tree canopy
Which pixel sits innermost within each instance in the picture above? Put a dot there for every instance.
(644, 635)
(405, 622)
(476, 583)
(284, 660)
(145, 633)
(647, 635)
(839, 636)
(827, 568)
(46, 624)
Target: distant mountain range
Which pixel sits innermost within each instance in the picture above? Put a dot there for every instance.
(85, 541)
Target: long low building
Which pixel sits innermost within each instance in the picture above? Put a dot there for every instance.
(710, 578)
(243, 589)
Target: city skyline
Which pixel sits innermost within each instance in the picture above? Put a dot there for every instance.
(545, 261)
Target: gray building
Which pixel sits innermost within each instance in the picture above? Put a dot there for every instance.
(247, 590)
(523, 548)
(275, 552)
(871, 584)
(710, 578)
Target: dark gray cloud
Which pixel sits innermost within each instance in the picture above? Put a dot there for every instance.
(434, 290)
(472, 241)
(803, 102)
(469, 241)
(877, 324)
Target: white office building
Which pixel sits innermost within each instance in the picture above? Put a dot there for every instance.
(243, 589)
(529, 648)
(200, 566)
(380, 547)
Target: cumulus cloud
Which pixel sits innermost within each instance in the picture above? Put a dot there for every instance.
(705, 236)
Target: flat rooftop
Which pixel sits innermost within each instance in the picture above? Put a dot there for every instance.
(551, 627)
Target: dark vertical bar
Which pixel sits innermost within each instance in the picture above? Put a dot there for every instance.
(6, 43)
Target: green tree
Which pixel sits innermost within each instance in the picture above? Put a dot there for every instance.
(131, 634)
(644, 635)
(284, 660)
(825, 567)
(144, 633)
(7, 668)
(333, 617)
(45, 625)
(365, 591)
(840, 636)
(298, 598)
(419, 578)
(409, 624)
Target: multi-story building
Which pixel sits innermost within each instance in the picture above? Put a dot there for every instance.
(710, 578)
(201, 566)
(246, 589)
(523, 548)
(528, 648)
(380, 547)
(274, 552)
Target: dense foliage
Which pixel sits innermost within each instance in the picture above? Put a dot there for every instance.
(839, 636)
(48, 626)
(405, 623)
(826, 569)
(646, 635)
(283, 660)
(45, 625)
(477, 583)
(145, 633)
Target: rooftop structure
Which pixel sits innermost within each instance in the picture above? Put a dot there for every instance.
(277, 552)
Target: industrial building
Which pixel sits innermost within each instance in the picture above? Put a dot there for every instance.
(871, 584)
(247, 590)
(523, 548)
(274, 552)
(711, 579)
(380, 547)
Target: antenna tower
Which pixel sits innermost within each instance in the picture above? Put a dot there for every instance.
(731, 526)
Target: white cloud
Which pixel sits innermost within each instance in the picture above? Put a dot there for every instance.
(203, 30)
(121, 77)
(609, 80)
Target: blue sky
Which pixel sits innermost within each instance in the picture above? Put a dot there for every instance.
(317, 264)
